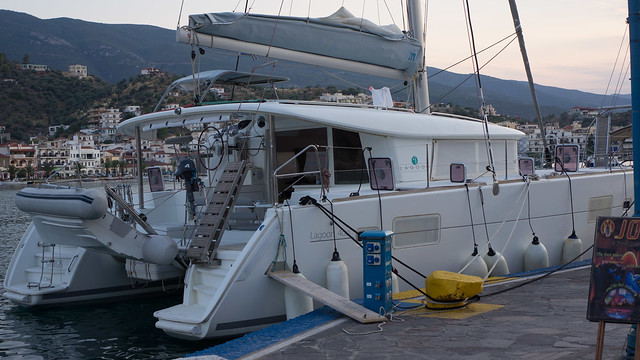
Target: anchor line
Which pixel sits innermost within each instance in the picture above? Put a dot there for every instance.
(504, 221)
(510, 234)
(538, 278)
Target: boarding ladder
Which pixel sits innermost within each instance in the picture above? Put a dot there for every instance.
(213, 220)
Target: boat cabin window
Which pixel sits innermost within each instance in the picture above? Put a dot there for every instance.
(412, 231)
(348, 158)
(288, 144)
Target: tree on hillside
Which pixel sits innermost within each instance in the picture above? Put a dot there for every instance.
(25, 59)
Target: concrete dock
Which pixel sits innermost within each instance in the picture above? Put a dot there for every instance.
(542, 320)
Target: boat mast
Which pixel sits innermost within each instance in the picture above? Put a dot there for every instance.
(527, 68)
(417, 29)
(634, 44)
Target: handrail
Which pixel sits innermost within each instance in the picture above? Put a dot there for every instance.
(319, 172)
(134, 214)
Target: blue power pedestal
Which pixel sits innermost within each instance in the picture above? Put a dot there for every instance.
(376, 272)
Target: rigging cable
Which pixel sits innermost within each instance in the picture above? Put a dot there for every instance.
(487, 139)
(621, 80)
(180, 14)
(238, 4)
(615, 64)
(473, 74)
(403, 9)
(389, 11)
(479, 52)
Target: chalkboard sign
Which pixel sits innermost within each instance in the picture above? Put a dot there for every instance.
(614, 290)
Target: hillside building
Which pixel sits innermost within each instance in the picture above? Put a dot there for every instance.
(34, 67)
(583, 111)
(22, 156)
(340, 98)
(79, 71)
(150, 71)
(4, 167)
(109, 120)
(132, 109)
(55, 128)
(82, 150)
(53, 152)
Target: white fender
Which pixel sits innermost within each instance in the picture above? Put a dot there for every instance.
(535, 256)
(502, 268)
(338, 278)
(159, 249)
(296, 303)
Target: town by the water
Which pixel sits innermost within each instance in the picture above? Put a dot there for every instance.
(98, 151)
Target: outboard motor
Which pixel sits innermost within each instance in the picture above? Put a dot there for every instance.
(187, 172)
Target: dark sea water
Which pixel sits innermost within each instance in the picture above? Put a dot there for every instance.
(123, 330)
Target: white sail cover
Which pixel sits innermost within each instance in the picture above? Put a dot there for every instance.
(340, 35)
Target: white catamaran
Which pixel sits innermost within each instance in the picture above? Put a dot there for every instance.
(291, 182)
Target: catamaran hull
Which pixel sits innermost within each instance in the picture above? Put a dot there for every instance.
(41, 274)
(246, 299)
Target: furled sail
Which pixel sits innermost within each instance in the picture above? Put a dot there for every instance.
(338, 36)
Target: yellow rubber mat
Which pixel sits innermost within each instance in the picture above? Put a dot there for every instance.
(415, 298)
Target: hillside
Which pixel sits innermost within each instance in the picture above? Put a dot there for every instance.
(117, 52)
(33, 101)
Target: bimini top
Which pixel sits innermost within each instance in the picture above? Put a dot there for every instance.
(205, 80)
(359, 119)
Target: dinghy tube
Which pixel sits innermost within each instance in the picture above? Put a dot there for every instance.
(88, 204)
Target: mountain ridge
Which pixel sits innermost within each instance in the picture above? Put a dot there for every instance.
(113, 52)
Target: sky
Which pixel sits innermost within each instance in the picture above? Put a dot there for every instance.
(572, 44)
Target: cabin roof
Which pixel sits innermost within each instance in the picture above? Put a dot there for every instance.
(360, 119)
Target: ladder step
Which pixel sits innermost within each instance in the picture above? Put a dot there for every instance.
(214, 209)
(218, 198)
(233, 166)
(200, 242)
(209, 232)
(223, 187)
(194, 254)
(228, 177)
(214, 219)
(208, 218)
